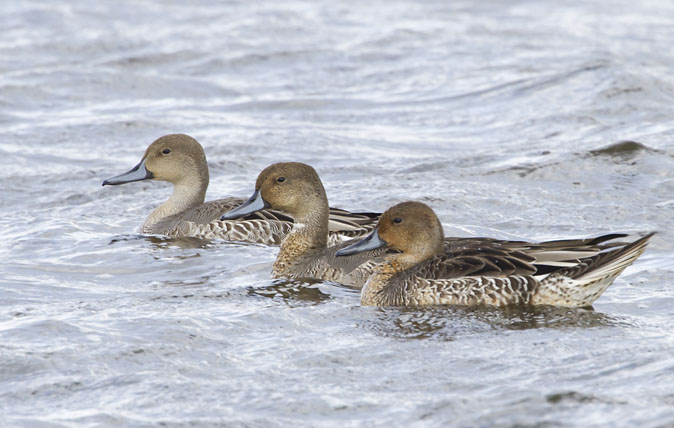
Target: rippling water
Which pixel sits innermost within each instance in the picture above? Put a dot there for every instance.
(512, 119)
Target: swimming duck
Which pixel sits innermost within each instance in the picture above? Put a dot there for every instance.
(180, 160)
(296, 190)
(423, 268)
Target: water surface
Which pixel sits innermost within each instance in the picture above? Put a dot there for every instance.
(521, 119)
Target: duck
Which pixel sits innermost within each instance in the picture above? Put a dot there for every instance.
(295, 189)
(423, 268)
(180, 160)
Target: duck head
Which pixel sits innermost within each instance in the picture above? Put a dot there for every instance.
(410, 229)
(174, 158)
(290, 187)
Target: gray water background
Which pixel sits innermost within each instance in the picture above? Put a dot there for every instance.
(523, 119)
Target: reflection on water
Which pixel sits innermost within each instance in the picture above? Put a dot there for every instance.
(293, 292)
(451, 321)
(558, 318)
(165, 242)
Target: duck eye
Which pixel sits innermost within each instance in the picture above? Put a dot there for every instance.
(397, 220)
(281, 179)
(166, 151)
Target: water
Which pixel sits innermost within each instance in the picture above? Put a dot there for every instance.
(512, 119)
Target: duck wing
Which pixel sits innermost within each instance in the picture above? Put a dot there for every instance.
(348, 225)
(492, 257)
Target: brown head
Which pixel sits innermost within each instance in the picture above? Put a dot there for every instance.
(290, 187)
(175, 158)
(411, 229)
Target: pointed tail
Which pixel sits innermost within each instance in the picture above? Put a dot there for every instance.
(582, 284)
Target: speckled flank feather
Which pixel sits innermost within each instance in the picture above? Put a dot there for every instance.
(389, 287)
(470, 291)
(269, 232)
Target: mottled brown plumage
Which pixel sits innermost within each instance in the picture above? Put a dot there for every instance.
(180, 160)
(427, 269)
(296, 190)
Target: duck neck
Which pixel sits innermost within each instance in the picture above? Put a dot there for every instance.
(372, 293)
(187, 194)
(309, 234)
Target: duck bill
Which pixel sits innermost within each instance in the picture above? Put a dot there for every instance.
(137, 173)
(370, 242)
(253, 204)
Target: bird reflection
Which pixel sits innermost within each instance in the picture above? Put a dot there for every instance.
(446, 323)
(294, 292)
